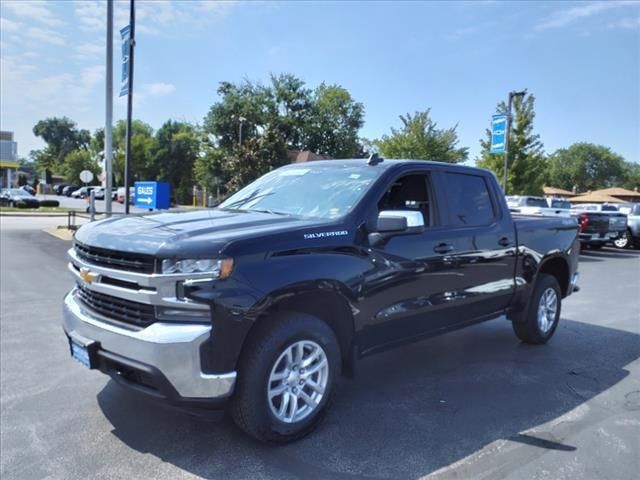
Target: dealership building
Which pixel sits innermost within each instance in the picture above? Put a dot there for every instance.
(8, 159)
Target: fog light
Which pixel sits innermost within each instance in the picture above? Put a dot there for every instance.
(182, 314)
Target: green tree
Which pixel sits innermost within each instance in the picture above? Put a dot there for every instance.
(333, 123)
(420, 139)
(526, 161)
(177, 145)
(142, 147)
(77, 161)
(252, 126)
(632, 181)
(587, 167)
(62, 137)
(209, 168)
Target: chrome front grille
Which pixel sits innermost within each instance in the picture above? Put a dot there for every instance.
(120, 309)
(133, 262)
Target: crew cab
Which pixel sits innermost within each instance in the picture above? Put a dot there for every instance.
(599, 224)
(262, 302)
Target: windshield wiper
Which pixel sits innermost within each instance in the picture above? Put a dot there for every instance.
(266, 210)
(242, 201)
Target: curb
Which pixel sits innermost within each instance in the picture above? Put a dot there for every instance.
(60, 233)
(30, 214)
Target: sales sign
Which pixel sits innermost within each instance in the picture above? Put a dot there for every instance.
(151, 195)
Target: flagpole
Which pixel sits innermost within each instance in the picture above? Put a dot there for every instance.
(127, 158)
(108, 122)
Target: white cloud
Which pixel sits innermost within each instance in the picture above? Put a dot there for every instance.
(158, 89)
(626, 23)
(89, 51)
(35, 10)
(91, 14)
(562, 18)
(152, 17)
(219, 7)
(7, 25)
(45, 35)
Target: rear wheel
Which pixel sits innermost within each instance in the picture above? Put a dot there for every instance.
(285, 378)
(623, 241)
(543, 314)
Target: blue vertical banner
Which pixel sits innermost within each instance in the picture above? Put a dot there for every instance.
(124, 82)
(498, 132)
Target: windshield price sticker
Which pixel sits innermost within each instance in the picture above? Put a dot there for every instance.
(294, 172)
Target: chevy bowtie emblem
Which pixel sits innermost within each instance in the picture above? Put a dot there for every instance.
(87, 275)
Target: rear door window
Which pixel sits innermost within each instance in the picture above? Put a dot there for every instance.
(469, 200)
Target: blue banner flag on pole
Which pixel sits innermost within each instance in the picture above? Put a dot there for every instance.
(124, 82)
(498, 132)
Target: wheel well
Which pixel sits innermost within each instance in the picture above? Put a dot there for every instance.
(329, 307)
(559, 268)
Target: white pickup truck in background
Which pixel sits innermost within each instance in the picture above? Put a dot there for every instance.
(539, 206)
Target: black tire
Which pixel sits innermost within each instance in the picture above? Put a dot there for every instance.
(623, 241)
(250, 406)
(528, 329)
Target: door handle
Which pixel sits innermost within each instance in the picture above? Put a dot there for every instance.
(504, 242)
(443, 248)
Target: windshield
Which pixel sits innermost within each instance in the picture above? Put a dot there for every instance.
(609, 208)
(18, 192)
(536, 202)
(323, 192)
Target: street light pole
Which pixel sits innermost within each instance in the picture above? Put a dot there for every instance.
(242, 120)
(108, 122)
(127, 158)
(506, 137)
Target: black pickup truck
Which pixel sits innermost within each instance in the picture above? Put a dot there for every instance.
(259, 304)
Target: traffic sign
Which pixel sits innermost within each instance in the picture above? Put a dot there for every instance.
(151, 195)
(498, 133)
(86, 176)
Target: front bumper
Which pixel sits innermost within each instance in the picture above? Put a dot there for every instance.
(162, 359)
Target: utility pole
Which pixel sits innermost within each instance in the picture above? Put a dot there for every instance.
(512, 95)
(127, 158)
(108, 122)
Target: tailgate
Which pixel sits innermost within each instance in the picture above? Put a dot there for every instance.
(617, 222)
(598, 223)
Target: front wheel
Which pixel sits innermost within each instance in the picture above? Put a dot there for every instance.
(285, 378)
(623, 241)
(543, 314)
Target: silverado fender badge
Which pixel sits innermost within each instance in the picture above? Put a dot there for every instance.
(337, 233)
(87, 275)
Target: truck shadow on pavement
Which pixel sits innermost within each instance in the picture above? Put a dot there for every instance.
(408, 412)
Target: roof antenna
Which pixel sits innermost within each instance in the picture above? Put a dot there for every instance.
(374, 159)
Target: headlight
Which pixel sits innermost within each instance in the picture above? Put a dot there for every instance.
(217, 268)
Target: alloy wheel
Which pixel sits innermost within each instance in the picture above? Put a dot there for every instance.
(298, 381)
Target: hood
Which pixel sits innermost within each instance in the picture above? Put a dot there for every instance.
(201, 232)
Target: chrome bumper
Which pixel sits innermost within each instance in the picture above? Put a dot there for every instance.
(172, 348)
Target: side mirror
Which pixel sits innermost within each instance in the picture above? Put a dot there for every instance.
(396, 222)
(391, 224)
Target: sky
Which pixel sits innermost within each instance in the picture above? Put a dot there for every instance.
(581, 61)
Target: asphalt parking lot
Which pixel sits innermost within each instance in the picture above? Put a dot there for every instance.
(472, 404)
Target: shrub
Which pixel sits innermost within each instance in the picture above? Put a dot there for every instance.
(49, 203)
